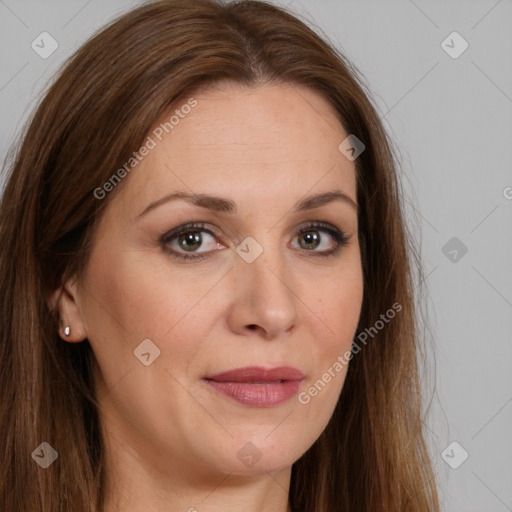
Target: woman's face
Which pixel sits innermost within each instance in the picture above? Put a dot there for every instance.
(259, 295)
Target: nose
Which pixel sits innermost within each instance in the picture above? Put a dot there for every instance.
(264, 301)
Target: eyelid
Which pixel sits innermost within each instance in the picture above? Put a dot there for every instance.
(205, 226)
(190, 226)
(339, 235)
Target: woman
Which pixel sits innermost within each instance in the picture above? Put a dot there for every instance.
(206, 283)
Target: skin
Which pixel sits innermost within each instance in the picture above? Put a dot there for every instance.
(172, 441)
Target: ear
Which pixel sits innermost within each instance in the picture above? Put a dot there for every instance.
(65, 300)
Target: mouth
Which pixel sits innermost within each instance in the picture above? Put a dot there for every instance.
(258, 387)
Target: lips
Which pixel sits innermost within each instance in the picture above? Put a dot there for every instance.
(256, 374)
(256, 386)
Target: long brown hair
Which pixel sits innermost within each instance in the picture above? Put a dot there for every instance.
(373, 454)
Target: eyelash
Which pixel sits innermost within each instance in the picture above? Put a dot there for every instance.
(339, 237)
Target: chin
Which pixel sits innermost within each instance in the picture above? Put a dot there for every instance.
(264, 451)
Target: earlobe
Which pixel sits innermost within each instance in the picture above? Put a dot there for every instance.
(65, 300)
(65, 334)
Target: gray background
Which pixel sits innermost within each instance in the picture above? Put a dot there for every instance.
(451, 119)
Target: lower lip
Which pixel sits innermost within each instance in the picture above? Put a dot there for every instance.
(258, 395)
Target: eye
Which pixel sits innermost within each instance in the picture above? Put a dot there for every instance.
(189, 238)
(310, 239)
(184, 241)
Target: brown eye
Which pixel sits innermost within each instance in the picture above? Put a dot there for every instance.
(324, 236)
(188, 239)
(311, 239)
(184, 242)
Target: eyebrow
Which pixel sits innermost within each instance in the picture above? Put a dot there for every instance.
(222, 205)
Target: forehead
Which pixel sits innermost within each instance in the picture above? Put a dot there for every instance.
(251, 144)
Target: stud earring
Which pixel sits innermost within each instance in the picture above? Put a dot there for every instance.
(67, 330)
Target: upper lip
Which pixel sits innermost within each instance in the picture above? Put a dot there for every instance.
(258, 374)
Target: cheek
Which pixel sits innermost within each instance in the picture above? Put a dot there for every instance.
(134, 297)
(339, 305)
